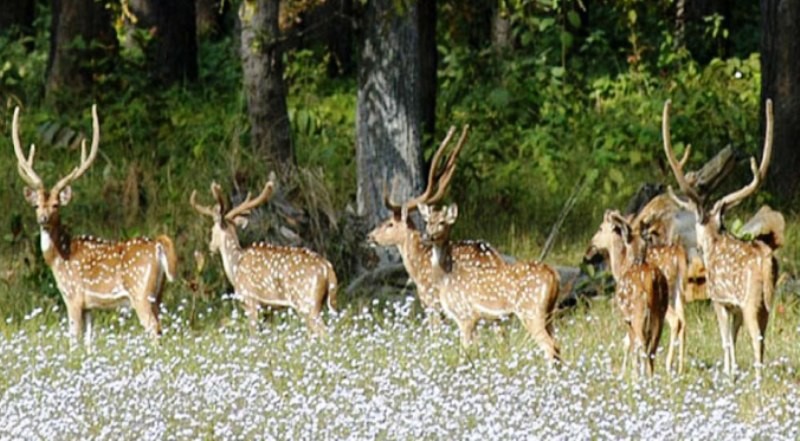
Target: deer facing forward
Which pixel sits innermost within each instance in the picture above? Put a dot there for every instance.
(93, 273)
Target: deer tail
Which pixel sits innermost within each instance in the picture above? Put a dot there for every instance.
(166, 256)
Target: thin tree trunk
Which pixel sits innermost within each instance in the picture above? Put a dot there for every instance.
(172, 52)
(265, 90)
(81, 38)
(388, 114)
(429, 58)
(780, 81)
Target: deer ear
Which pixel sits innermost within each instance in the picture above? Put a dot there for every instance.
(65, 195)
(425, 211)
(241, 221)
(451, 214)
(31, 195)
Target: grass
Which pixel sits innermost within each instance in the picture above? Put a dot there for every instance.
(383, 373)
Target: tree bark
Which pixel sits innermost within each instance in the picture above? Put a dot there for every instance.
(429, 58)
(388, 113)
(780, 81)
(209, 17)
(262, 63)
(81, 37)
(172, 52)
(17, 16)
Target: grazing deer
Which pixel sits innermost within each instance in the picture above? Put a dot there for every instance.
(468, 293)
(93, 273)
(740, 274)
(400, 231)
(266, 274)
(622, 243)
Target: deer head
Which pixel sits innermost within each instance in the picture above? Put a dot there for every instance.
(47, 202)
(393, 231)
(438, 222)
(227, 219)
(709, 220)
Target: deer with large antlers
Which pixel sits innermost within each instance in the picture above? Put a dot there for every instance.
(740, 275)
(266, 274)
(528, 290)
(93, 273)
(638, 286)
(400, 231)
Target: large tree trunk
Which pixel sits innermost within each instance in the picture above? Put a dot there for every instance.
(262, 63)
(172, 52)
(388, 113)
(780, 81)
(17, 16)
(81, 37)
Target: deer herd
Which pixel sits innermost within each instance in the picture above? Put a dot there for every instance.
(649, 253)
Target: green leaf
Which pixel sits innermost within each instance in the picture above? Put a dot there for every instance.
(574, 19)
(632, 16)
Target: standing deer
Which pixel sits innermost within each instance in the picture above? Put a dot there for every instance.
(93, 273)
(740, 275)
(639, 287)
(468, 293)
(400, 231)
(266, 274)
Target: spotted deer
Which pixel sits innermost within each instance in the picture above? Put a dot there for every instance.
(638, 299)
(740, 275)
(399, 230)
(94, 273)
(528, 290)
(266, 274)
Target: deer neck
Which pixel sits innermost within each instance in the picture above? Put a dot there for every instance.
(441, 261)
(412, 251)
(55, 243)
(231, 252)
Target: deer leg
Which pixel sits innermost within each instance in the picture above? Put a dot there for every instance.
(724, 324)
(538, 331)
(674, 329)
(147, 316)
(681, 313)
(737, 324)
(87, 323)
(251, 311)
(75, 316)
(467, 328)
(627, 346)
(756, 321)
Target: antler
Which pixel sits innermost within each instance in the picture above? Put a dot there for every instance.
(24, 165)
(202, 209)
(442, 179)
(85, 161)
(677, 167)
(759, 171)
(249, 204)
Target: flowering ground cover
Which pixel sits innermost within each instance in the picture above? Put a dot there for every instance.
(384, 373)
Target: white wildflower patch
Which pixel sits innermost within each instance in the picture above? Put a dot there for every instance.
(382, 373)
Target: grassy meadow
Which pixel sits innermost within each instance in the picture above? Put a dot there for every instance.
(383, 373)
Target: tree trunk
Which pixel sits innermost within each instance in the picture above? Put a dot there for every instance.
(81, 38)
(172, 52)
(262, 64)
(780, 81)
(388, 113)
(17, 16)
(209, 17)
(429, 58)
(340, 39)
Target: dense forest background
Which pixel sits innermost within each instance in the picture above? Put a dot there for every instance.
(340, 96)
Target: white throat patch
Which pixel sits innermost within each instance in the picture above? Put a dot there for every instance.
(45, 240)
